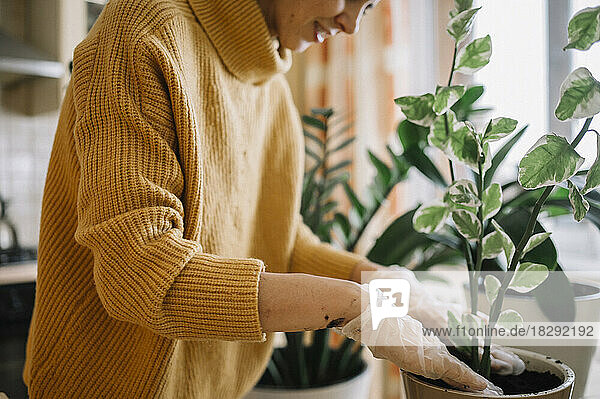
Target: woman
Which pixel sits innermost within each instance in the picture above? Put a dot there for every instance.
(171, 207)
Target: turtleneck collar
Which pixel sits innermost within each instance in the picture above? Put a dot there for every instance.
(239, 32)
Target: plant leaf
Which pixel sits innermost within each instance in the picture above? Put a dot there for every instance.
(534, 241)
(460, 6)
(592, 180)
(584, 29)
(474, 56)
(314, 122)
(580, 205)
(312, 137)
(528, 276)
(464, 192)
(510, 318)
(438, 137)
(384, 174)
(460, 25)
(339, 166)
(501, 154)
(356, 204)
(492, 201)
(499, 128)
(550, 161)
(463, 145)
(493, 245)
(492, 285)
(446, 97)
(467, 224)
(342, 145)
(428, 219)
(453, 324)
(579, 96)
(417, 109)
(507, 244)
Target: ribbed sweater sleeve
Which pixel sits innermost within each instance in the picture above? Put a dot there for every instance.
(312, 256)
(130, 209)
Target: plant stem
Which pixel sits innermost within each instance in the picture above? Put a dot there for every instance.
(451, 167)
(453, 64)
(497, 305)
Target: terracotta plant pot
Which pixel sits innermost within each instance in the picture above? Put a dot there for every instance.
(416, 388)
(356, 387)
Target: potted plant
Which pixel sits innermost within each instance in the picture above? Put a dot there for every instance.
(308, 365)
(472, 204)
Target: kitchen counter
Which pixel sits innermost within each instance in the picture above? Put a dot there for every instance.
(18, 273)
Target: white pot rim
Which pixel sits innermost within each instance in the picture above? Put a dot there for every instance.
(568, 375)
(365, 373)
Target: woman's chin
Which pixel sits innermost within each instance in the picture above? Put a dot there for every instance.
(297, 46)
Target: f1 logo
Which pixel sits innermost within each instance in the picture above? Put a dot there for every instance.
(388, 298)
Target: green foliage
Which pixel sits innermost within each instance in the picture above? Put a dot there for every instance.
(528, 276)
(579, 96)
(429, 219)
(474, 56)
(592, 179)
(492, 201)
(584, 28)
(460, 26)
(492, 286)
(446, 97)
(499, 128)
(550, 161)
(580, 205)
(418, 109)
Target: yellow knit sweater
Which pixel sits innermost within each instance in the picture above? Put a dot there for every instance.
(174, 180)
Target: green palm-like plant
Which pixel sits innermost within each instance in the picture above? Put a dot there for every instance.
(299, 365)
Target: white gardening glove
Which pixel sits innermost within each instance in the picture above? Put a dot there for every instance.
(401, 341)
(433, 313)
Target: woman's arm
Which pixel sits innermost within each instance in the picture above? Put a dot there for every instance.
(297, 302)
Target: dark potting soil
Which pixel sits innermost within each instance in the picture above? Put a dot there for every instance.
(528, 382)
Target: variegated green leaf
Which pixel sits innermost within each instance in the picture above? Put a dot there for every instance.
(474, 56)
(460, 6)
(507, 244)
(428, 219)
(550, 161)
(418, 109)
(580, 205)
(467, 224)
(438, 137)
(453, 324)
(499, 128)
(492, 201)
(492, 285)
(528, 276)
(445, 97)
(464, 146)
(460, 26)
(592, 180)
(579, 96)
(534, 241)
(493, 245)
(464, 192)
(510, 318)
(471, 322)
(584, 28)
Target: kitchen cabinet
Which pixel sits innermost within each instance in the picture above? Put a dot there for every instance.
(46, 32)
